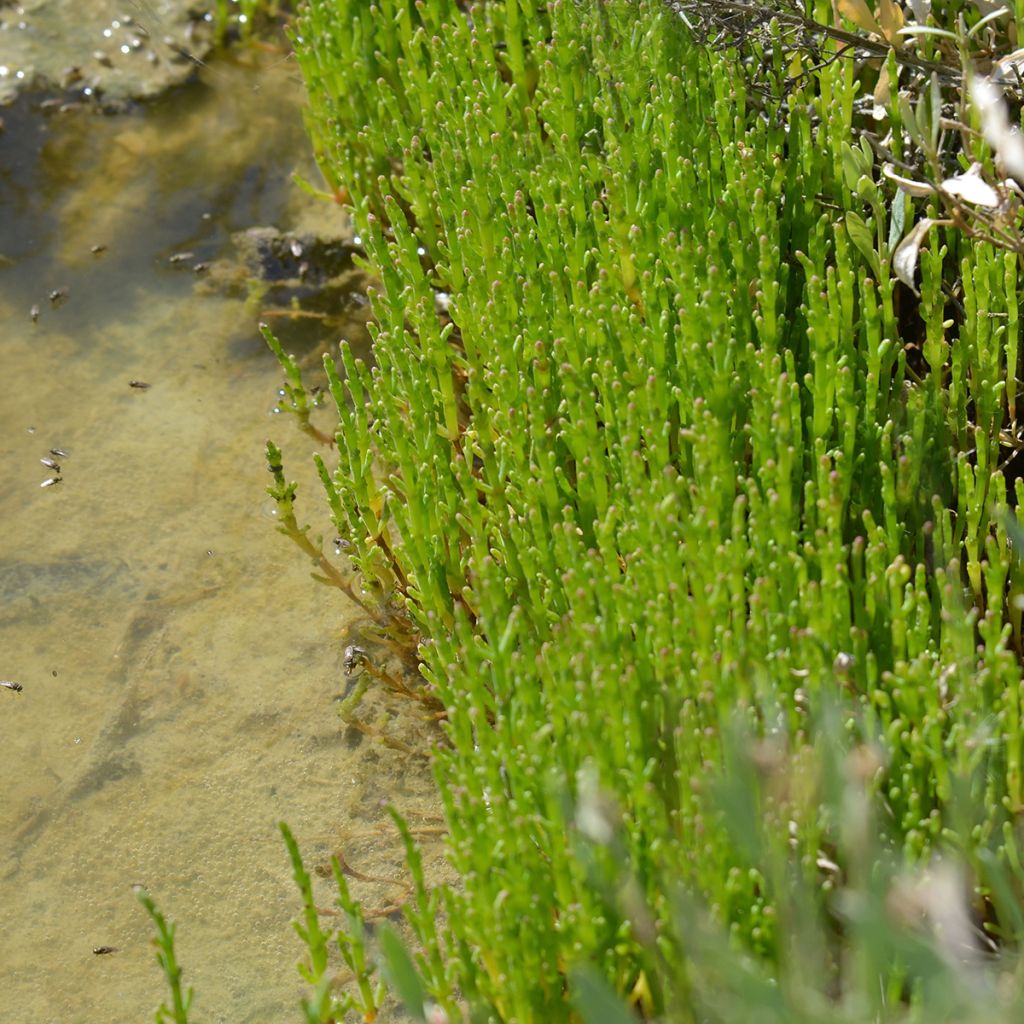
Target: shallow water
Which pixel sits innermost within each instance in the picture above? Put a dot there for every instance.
(181, 671)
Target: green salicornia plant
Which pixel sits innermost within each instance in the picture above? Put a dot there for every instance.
(181, 999)
(669, 424)
(325, 1005)
(386, 625)
(296, 399)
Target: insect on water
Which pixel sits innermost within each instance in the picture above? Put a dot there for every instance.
(11, 685)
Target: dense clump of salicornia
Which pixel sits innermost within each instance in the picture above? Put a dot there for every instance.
(656, 439)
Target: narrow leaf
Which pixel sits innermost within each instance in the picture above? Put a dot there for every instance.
(852, 166)
(880, 97)
(400, 972)
(909, 120)
(890, 17)
(1000, 12)
(928, 30)
(908, 185)
(596, 1001)
(863, 237)
(897, 221)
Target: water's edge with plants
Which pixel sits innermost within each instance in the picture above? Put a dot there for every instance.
(179, 674)
(677, 497)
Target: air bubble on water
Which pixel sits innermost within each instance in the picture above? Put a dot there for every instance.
(87, 91)
(125, 48)
(115, 24)
(4, 70)
(420, 251)
(107, 33)
(268, 509)
(280, 391)
(276, 410)
(357, 240)
(19, 74)
(242, 19)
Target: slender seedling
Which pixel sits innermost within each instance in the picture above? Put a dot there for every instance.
(181, 1001)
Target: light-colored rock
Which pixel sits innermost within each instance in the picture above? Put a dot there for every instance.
(114, 50)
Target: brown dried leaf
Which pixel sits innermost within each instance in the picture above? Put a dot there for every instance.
(859, 13)
(880, 98)
(890, 17)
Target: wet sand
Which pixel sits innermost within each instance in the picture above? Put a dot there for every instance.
(181, 670)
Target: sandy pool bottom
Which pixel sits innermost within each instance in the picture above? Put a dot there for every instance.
(181, 670)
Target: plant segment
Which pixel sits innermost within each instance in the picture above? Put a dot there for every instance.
(656, 435)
